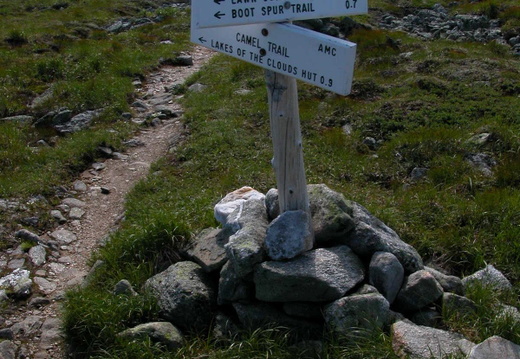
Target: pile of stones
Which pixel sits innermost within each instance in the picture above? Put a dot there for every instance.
(359, 276)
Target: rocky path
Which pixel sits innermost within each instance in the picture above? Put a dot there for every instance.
(93, 207)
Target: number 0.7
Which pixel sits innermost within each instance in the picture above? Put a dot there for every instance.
(349, 3)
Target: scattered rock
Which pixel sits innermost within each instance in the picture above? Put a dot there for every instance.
(76, 213)
(488, 277)
(98, 166)
(197, 87)
(63, 236)
(73, 202)
(58, 216)
(418, 173)
(38, 255)
(412, 341)
(78, 122)
(322, 275)
(124, 287)
(482, 161)
(26, 235)
(7, 349)
(161, 332)
(39, 302)
(80, 186)
(45, 286)
(17, 284)
(495, 347)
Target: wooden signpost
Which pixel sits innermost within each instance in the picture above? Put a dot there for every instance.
(250, 30)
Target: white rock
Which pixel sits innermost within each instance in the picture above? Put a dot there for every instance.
(232, 201)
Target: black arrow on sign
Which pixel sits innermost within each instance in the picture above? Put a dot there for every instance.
(218, 1)
(201, 39)
(219, 15)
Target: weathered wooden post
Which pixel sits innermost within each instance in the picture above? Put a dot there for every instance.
(288, 165)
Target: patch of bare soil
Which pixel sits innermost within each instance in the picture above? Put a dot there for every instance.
(35, 328)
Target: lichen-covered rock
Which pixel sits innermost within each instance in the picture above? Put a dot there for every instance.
(246, 248)
(358, 311)
(370, 235)
(321, 275)
(419, 290)
(17, 284)
(386, 274)
(288, 235)
(184, 294)
(411, 341)
(161, 332)
(331, 213)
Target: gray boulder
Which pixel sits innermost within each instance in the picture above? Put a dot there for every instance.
(322, 275)
(495, 347)
(161, 332)
(419, 290)
(331, 213)
(78, 122)
(64, 236)
(488, 277)
(288, 235)
(412, 341)
(246, 248)
(124, 287)
(38, 255)
(386, 274)
(231, 288)
(17, 284)
(208, 249)
(184, 294)
(449, 283)
(456, 304)
(370, 235)
(258, 315)
(358, 311)
(7, 350)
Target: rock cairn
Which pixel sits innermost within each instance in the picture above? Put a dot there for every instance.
(359, 276)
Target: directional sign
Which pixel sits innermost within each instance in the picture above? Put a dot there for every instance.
(211, 13)
(318, 59)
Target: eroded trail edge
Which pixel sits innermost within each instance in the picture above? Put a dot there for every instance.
(94, 209)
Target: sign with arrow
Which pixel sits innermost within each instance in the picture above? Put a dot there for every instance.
(315, 58)
(211, 13)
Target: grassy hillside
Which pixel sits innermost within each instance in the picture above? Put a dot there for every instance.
(425, 103)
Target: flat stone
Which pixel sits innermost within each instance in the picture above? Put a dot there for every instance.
(45, 286)
(28, 326)
(322, 275)
(64, 236)
(73, 202)
(76, 213)
(288, 235)
(51, 332)
(412, 341)
(495, 347)
(208, 249)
